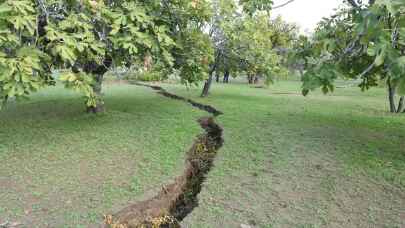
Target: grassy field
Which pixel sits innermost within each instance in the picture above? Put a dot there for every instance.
(288, 161)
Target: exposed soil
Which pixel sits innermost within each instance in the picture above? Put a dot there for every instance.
(175, 201)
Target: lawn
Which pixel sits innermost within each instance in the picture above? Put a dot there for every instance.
(288, 161)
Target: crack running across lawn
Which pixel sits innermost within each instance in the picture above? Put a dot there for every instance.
(176, 200)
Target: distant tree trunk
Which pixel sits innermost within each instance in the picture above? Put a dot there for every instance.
(98, 71)
(250, 79)
(301, 73)
(226, 76)
(256, 79)
(208, 82)
(391, 96)
(217, 77)
(401, 105)
(97, 88)
(147, 62)
(207, 86)
(4, 102)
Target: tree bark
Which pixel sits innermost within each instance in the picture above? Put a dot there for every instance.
(391, 96)
(98, 71)
(301, 71)
(256, 80)
(353, 3)
(217, 77)
(226, 77)
(97, 88)
(208, 82)
(250, 79)
(207, 86)
(401, 105)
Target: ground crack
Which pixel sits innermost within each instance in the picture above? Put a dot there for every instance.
(195, 104)
(175, 201)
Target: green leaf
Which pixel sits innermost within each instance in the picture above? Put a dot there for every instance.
(379, 60)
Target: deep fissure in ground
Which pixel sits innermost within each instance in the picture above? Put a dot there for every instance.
(175, 201)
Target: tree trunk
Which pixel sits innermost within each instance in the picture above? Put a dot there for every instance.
(391, 96)
(250, 79)
(207, 86)
(301, 71)
(226, 77)
(256, 79)
(147, 62)
(97, 88)
(98, 70)
(401, 105)
(217, 77)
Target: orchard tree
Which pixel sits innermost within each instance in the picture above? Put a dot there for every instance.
(224, 13)
(84, 38)
(255, 42)
(245, 41)
(366, 42)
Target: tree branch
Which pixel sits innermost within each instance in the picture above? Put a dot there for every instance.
(353, 3)
(282, 5)
(401, 104)
(366, 71)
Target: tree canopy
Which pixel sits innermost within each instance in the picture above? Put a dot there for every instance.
(247, 41)
(366, 42)
(85, 38)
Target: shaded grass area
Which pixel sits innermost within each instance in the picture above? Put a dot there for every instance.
(61, 167)
(290, 161)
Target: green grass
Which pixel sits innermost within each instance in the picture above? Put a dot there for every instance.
(288, 161)
(293, 161)
(61, 166)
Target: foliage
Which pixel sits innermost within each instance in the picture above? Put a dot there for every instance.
(138, 73)
(248, 42)
(365, 42)
(80, 82)
(21, 64)
(252, 6)
(254, 49)
(88, 37)
(194, 55)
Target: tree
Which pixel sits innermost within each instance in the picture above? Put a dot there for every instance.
(364, 42)
(255, 42)
(84, 38)
(223, 14)
(245, 42)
